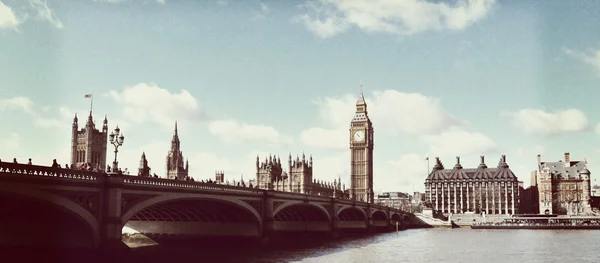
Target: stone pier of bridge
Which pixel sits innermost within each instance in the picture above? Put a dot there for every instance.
(101, 205)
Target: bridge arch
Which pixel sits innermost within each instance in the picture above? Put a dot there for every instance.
(299, 209)
(165, 199)
(396, 217)
(56, 203)
(379, 215)
(352, 213)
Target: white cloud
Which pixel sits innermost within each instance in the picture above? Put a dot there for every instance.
(149, 102)
(591, 57)
(17, 103)
(231, 131)
(8, 18)
(408, 171)
(325, 138)
(25, 105)
(401, 17)
(44, 12)
(263, 11)
(540, 122)
(12, 141)
(597, 128)
(388, 109)
(459, 142)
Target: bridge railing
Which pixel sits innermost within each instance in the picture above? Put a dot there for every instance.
(137, 180)
(46, 171)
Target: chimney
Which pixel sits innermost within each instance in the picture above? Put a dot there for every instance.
(567, 159)
(539, 158)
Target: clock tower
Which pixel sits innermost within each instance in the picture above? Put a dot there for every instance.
(361, 153)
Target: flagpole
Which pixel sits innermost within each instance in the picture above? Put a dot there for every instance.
(91, 102)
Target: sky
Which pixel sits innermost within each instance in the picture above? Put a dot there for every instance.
(247, 78)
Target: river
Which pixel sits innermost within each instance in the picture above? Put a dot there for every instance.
(418, 245)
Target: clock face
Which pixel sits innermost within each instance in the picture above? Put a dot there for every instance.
(359, 136)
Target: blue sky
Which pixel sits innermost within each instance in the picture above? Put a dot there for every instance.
(442, 78)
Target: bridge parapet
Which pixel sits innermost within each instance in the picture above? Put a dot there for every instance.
(14, 169)
(161, 182)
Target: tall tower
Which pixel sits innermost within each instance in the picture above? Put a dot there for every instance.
(361, 153)
(175, 168)
(88, 145)
(144, 169)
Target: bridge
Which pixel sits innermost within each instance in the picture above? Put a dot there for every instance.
(76, 208)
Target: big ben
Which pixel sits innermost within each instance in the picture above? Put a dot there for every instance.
(361, 153)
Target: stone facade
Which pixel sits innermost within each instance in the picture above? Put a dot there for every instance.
(88, 145)
(563, 186)
(175, 168)
(361, 153)
(270, 175)
(481, 189)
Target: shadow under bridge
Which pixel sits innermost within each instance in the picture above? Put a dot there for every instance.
(302, 218)
(195, 218)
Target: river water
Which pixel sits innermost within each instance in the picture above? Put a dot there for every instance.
(418, 245)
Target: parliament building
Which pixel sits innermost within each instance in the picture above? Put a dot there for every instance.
(480, 190)
(88, 145)
(298, 178)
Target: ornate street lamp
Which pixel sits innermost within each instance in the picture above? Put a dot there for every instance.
(116, 139)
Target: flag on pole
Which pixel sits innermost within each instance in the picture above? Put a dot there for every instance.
(427, 158)
(87, 96)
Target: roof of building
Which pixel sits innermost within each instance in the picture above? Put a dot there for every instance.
(560, 169)
(482, 172)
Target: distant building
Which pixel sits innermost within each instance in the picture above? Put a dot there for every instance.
(564, 186)
(220, 177)
(88, 145)
(144, 169)
(529, 197)
(418, 198)
(481, 189)
(396, 200)
(298, 178)
(175, 167)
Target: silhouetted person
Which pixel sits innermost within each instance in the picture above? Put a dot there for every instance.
(54, 164)
(15, 160)
(250, 185)
(66, 166)
(29, 161)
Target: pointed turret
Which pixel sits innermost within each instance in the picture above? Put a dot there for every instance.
(361, 99)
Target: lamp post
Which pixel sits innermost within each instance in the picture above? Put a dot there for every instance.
(116, 139)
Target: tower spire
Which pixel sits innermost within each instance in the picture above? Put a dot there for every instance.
(175, 127)
(361, 99)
